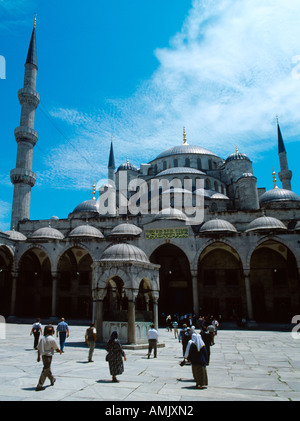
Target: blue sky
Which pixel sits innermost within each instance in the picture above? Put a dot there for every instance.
(139, 71)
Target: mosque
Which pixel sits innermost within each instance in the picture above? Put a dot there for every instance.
(123, 269)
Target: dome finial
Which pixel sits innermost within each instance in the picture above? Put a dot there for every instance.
(34, 21)
(274, 179)
(184, 137)
(94, 190)
(127, 160)
(236, 149)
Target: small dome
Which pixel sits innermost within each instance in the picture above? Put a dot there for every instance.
(217, 225)
(171, 213)
(54, 218)
(237, 156)
(278, 195)
(219, 196)
(180, 170)
(127, 166)
(124, 252)
(15, 235)
(86, 231)
(126, 230)
(87, 206)
(265, 223)
(204, 192)
(47, 233)
(297, 227)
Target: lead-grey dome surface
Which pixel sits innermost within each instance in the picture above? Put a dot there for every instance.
(47, 233)
(15, 235)
(126, 229)
(87, 206)
(217, 225)
(86, 231)
(266, 223)
(180, 170)
(171, 213)
(278, 195)
(237, 156)
(124, 252)
(185, 149)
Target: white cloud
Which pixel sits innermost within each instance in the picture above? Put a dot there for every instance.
(5, 209)
(224, 77)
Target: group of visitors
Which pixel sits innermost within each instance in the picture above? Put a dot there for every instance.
(195, 347)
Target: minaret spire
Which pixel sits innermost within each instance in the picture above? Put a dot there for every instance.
(26, 137)
(111, 162)
(285, 174)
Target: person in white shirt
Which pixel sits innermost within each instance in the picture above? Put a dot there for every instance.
(46, 347)
(152, 341)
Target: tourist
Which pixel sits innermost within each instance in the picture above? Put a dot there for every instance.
(114, 356)
(63, 331)
(36, 331)
(90, 340)
(46, 347)
(152, 341)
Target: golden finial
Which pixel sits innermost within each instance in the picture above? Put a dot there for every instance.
(127, 160)
(94, 190)
(34, 21)
(274, 179)
(277, 118)
(236, 149)
(184, 137)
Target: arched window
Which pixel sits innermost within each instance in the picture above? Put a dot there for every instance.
(199, 164)
(175, 162)
(164, 165)
(187, 162)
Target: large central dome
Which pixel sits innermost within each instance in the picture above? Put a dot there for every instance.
(185, 149)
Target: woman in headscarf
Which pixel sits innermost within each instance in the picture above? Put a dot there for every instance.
(114, 356)
(196, 353)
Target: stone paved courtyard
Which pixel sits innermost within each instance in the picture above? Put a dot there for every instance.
(245, 365)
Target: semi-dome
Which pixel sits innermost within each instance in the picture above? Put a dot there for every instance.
(124, 252)
(217, 225)
(47, 233)
(87, 206)
(185, 149)
(126, 230)
(86, 231)
(171, 213)
(237, 156)
(278, 195)
(267, 223)
(15, 235)
(180, 170)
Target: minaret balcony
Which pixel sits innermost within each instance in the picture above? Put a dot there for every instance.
(22, 175)
(26, 134)
(29, 96)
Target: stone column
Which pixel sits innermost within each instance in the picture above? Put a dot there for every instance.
(131, 294)
(194, 274)
(248, 294)
(155, 295)
(54, 293)
(98, 297)
(13, 294)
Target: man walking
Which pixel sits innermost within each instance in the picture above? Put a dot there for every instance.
(152, 341)
(90, 340)
(63, 331)
(46, 347)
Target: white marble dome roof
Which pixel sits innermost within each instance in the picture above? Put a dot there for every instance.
(265, 223)
(217, 225)
(47, 233)
(86, 231)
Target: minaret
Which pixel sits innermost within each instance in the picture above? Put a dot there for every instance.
(111, 163)
(285, 174)
(22, 176)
